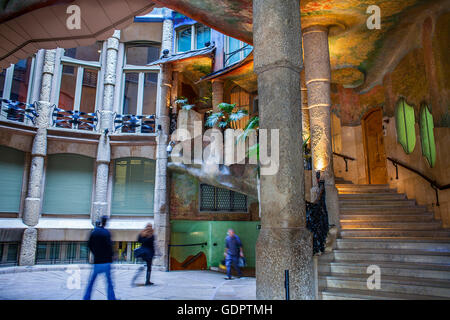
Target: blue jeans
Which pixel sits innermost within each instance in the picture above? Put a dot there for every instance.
(101, 268)
(232, 261)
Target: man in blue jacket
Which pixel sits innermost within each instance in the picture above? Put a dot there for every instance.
(233, 250)
(101, 246)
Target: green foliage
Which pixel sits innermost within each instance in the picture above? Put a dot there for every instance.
(427, 135)
(405, 125)
(184, 103)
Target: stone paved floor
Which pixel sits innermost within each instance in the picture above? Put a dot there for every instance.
(52, 284)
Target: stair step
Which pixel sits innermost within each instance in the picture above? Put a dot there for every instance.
(421, 217)
(352, 294)
(370, 233)
(423, 245)
(382, 210)
(393, 255)
(403, 285)
(372, 196)
(356, 224)
(426, 271)
(363, 203)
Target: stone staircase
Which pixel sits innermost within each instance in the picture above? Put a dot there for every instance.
(382, 227)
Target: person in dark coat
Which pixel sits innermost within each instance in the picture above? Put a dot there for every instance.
(145, 252)
(233, 250)
(101, 247)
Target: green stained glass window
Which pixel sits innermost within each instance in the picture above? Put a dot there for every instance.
(68, 184)
(11, 173)
(405, 125)
(134, 184)
(427, 135)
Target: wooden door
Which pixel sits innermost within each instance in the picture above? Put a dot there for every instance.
(374, 147)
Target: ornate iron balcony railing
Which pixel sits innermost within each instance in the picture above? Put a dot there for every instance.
(17, 111)
(74, 119)
(135, 124)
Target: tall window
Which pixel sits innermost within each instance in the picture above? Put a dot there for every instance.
(11, 173)
(242, 100)
(235, 50)
(79, 80)
(218, 199)
(133, 189)
(192, 37)
(140, 82)
(68, 184)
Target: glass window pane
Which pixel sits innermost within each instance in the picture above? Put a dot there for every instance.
(41, 250)
(239, 202)
(1, 252)
(2, 81)
(21, 77)
(203, 34)
(67, 88)
(71, 251)
(86, 53)
(184, 39)
(11, 172)
(207, 197)
(84, 251)
(247, 50)
(150, 89)
(233, 45)
(89, 90)
(142, 55)
(54, 251)
(12, 252)
(133, 188)
(130, 93)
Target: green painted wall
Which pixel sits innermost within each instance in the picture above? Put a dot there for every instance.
(68, 184)
(186, 232)
(11, 174)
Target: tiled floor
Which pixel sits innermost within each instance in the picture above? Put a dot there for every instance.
(56, 283)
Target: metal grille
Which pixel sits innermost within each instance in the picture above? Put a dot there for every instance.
(218, 199)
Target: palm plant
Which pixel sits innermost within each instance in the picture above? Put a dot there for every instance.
(225, 116)
(184, 103)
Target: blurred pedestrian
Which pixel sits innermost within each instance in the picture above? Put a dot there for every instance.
(233, 250)
(145, 252)
(101, 247)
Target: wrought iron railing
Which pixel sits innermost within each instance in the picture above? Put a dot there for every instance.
(17, 111)
(346, 158)
(436, 186)
(317, 219)
(135, 124)
(74, 119)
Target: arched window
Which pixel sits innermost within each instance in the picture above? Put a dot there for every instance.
(427, 135)
(405, 125)
(68, 184)
(134, 184)
(11, 174)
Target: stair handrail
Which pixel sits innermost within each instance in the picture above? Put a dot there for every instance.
(434, 184)
(181, 245)
(346, 158)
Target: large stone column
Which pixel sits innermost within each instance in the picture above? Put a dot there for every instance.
(161, 195)
(284, 243)
(32, 206)
(217, 93)
(318, 79)
(100, 204)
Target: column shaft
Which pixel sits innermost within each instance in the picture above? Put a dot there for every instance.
(318, 78)
(217, 94)
(284, 242)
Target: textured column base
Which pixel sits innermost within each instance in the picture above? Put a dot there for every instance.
(162, 242)
(278, 250)
(31, 210)
(28, 247)
(332, 201)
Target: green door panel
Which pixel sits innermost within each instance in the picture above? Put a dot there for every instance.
(405, 125)
(427, 136)
(68, 184)
(11, 174)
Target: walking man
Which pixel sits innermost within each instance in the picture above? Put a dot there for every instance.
(101, 246)
(233, 250)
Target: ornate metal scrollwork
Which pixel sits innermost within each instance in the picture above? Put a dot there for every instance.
(129, 123)
(18, 111)
(74, 119)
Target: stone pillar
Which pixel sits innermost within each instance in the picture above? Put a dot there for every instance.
(305, 111)
(217, 93)
(100, 204)
(284, 243)
(32, 206)
(161, 195)
(318, 79)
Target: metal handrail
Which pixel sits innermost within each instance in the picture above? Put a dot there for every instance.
(436, 186)
(346, 158)
(181, 245)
